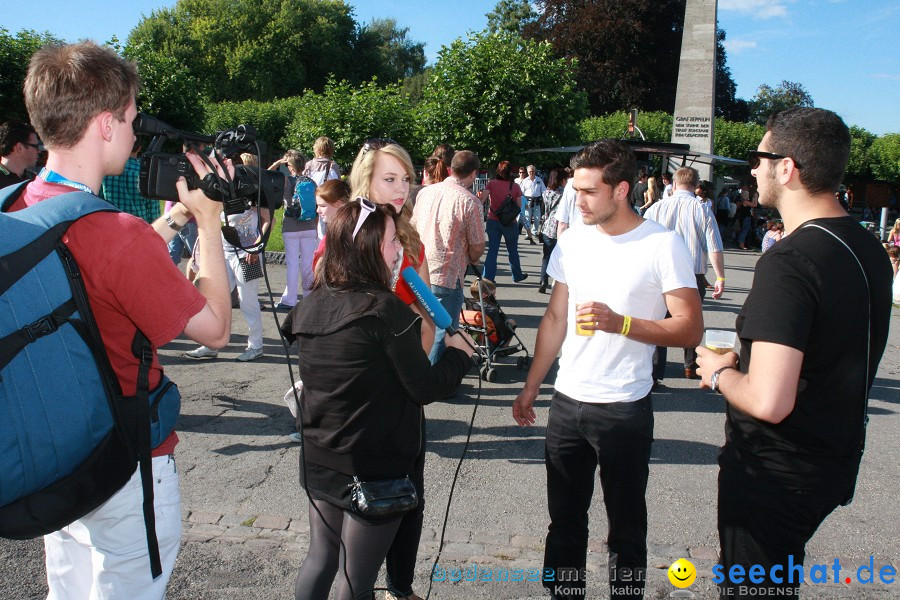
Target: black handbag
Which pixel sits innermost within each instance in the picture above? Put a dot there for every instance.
(249, 272)
(507, 212)
(383, 499)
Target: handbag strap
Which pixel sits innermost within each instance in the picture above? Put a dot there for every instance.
(869, 318)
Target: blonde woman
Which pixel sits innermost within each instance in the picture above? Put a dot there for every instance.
(894, 235)
(651, 195)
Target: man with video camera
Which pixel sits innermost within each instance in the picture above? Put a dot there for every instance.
(81, 100)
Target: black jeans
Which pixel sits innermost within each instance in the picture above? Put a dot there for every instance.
(400, 562)
(549, 245)
(617, 437)
(690, 354)
(760, 526)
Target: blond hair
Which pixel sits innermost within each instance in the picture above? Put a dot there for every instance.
(68, 85)
(360, 183)
(323, 147)
(687, 177)
(251, 160)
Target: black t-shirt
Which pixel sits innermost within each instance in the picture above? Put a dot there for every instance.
(637, 195)
(809, 293)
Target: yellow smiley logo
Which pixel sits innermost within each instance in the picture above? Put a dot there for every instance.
(682, 573)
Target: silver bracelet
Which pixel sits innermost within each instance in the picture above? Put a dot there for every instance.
(171, 223)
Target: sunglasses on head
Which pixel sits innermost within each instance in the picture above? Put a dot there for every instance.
(754, 158)
(367, 207)
(377, 144)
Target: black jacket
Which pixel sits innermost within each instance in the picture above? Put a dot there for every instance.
(365, 379)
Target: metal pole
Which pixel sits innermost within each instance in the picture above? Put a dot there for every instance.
(883, 228)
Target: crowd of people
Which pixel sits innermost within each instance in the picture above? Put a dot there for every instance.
(627, 252)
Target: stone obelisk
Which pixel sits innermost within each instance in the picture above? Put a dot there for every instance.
(695, 98)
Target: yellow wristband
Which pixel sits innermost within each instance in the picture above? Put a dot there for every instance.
(626, 325)
(720, 279)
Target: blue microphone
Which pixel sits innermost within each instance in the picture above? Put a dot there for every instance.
(432, 305)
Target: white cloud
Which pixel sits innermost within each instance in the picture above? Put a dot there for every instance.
(738, 46)
(761, 9)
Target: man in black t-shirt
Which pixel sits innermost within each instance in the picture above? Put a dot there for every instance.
(812, 330)
(19, 149)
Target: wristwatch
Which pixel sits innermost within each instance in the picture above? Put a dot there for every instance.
(714, 379)
(171, 223)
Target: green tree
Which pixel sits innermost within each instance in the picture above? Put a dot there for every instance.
(770, 99)
(511, 16)
(656, 126)
(270, 119)
(858, 165)
(349, 115)
(498, 95)
(388, 47)
(253, 49)
(168, 89)
(15, 53)
(884, 156)
(735, 140)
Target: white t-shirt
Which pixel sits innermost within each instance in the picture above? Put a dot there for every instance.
(566, 211)
(629, 273)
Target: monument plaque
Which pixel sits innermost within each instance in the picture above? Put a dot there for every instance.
(696, 93)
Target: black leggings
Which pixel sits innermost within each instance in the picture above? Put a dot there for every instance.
(366, 545)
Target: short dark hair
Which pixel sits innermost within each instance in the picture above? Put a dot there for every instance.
(12, 133)
(464, 162)
(615, 157)
(355, 263)
(815, 138)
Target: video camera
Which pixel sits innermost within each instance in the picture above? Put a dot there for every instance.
(160, 170)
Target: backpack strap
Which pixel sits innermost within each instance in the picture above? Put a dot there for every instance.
(143, 351)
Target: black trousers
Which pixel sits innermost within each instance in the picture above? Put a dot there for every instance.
(762, 526)
(400, 562)
(580, 437)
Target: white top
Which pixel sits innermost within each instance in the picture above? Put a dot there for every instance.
(629, 273)
(567, 212)
(532, 189)
(693, 220)
(247, 225)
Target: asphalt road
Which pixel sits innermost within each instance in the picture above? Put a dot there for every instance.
(245, 514)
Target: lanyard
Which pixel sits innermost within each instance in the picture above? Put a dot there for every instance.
(54, 177)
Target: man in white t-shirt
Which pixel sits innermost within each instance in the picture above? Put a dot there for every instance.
(532, 197)
(616, 277)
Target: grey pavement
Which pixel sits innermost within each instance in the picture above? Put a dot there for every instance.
(245, 515)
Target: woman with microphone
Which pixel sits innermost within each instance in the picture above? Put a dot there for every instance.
(365, 379)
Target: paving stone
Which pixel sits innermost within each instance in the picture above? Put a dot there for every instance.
(185, 514)
(525, 541)
(262, 544)
(500, 539)
(598, 546)
(667, 550)
(503, 552)
(299, 526)
(235, 520)
(209, 518)
(231, 539)
(245, 533)
(704, 553)
(457, 536)
(272, 522)
(206, 529)
(196, 537)
(428, 534)
(462, 550)
(279, 535)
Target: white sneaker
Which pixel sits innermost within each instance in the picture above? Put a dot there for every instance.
(250, 354)
(202, 352)
(295, 437)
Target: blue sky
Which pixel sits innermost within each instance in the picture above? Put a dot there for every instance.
(845, 52)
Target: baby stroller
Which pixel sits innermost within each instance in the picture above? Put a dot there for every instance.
(495, 333)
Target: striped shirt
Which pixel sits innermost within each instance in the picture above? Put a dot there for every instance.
(693, 220)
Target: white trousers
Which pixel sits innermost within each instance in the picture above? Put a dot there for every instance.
(104, 554)
(248, 295)
(299, 247)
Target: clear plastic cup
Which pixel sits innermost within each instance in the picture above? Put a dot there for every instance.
(720, 341)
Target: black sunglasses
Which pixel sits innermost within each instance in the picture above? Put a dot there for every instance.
(35, 146)
(377, 144)
(754, 157)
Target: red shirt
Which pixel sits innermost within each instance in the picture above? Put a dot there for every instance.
(131, 283)
(498, 190)
(402, 291)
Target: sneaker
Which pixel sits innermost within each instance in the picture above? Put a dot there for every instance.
(283, 306)
(202, 352)
(295, 437)
(522, 278)
(250, 354)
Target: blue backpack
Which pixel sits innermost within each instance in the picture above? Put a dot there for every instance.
(69, 440)
(303, 203)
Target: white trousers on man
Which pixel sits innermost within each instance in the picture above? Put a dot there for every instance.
(299, 247)
(103, 555)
